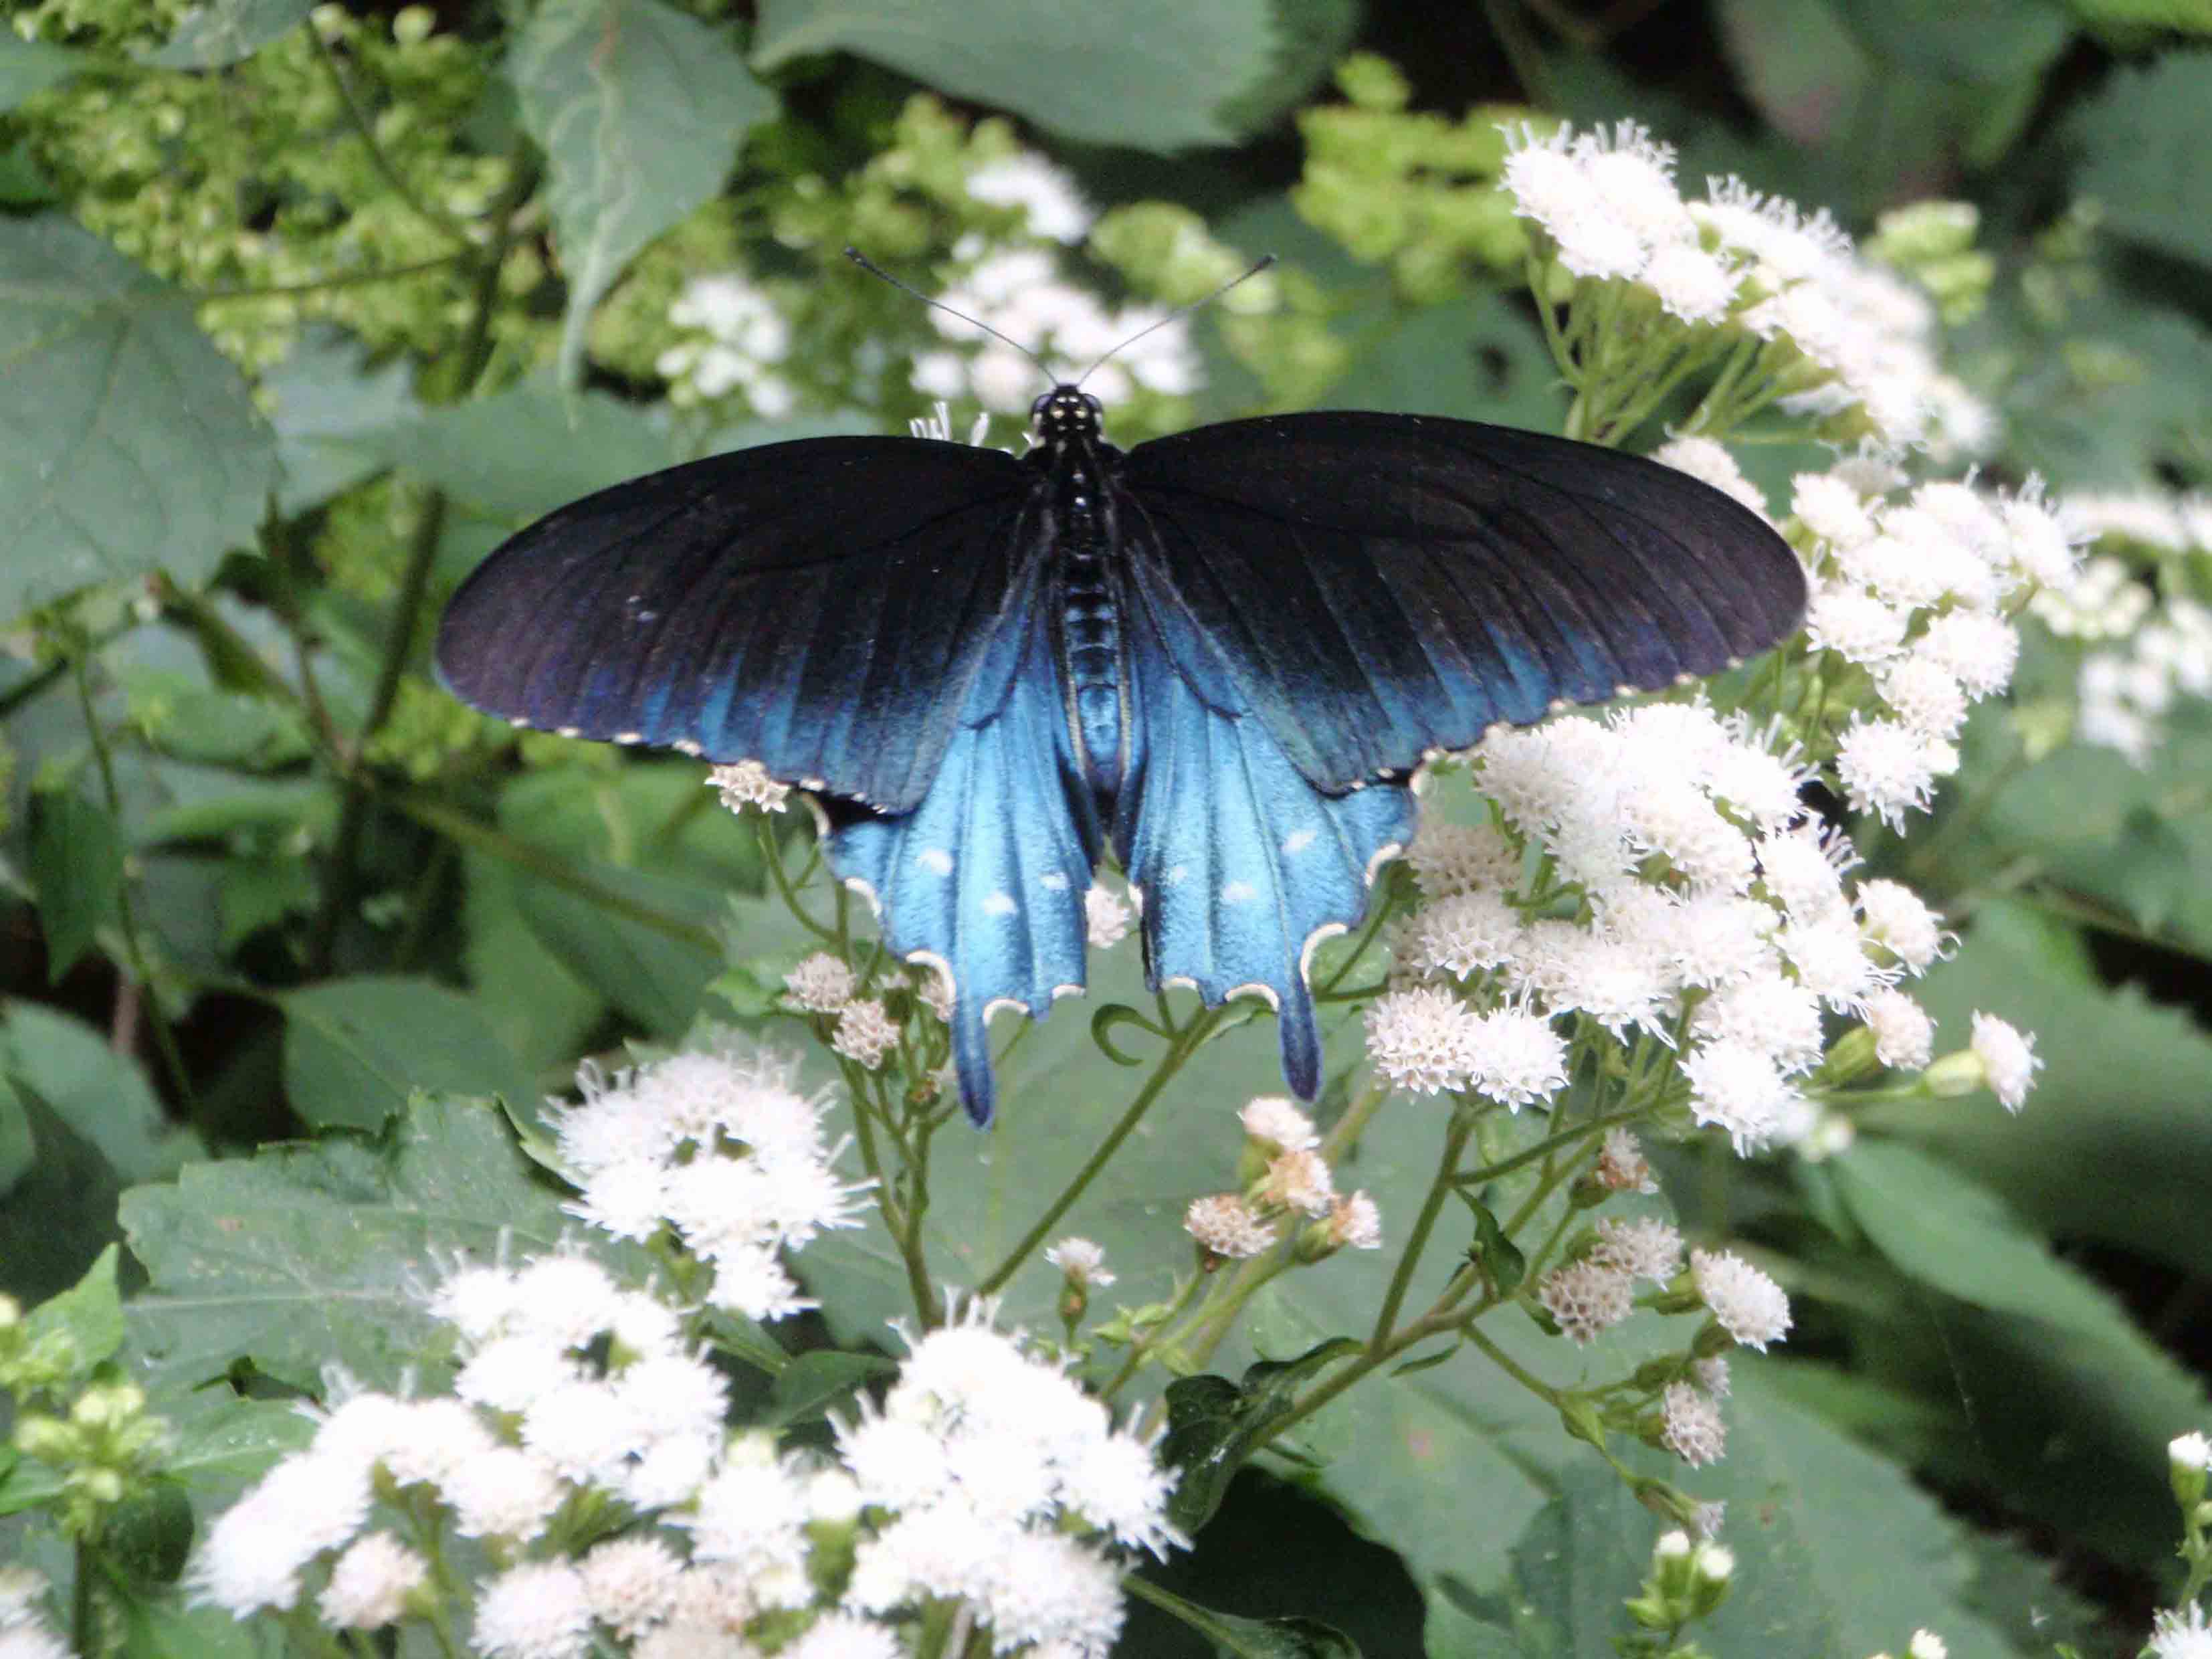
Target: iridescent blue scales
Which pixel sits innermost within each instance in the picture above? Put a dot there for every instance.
(1218, 656)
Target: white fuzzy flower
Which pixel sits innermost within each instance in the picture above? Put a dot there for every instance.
(371, 1582)
(1622, 1165)
(1106, 918)
(1926, 1644)
(2192, 1451)
(1888, 767)
(1515, 1057)
(253, 1554)
(1355, 1222)
(1738, 1088)
(746, 785)
(1645, 1248)
(1697, 287)
(822, 984)
(1225, 1226)
(1978, 650)
(1904, 1036)
(1586, 1297)
(1925, 696)
(1448, 858)
(846, 1636)
(505, 1493)
(1716, 939)
(1750, 1306)
(1691, 1425)
(866, 1033)
(1080, 1261)
(1779, 1016)
(1703, 458)
(630, 1583)
(752, 1514)
(1422, 1039)
(1298, 1181)
(1831, 961)
(1051, 205)
(1466, 933)
(2181, 1635)
(1830, 508)
(1275, 1121)
(2007, 1058)
(1843, 617)
(1803, 870)
(1892, 917)
(536, 1611)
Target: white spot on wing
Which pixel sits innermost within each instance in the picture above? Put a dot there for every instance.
(1179, 983)
(854, 884)
(1327, 930)
(686, 746)
(935, 860)
(567, 731)
(1176, 874)
(1001, 903)
(1060, 991)
(1239, 892)
(1053, 881)
(997, 1003)
(1267, 994)
(1299, 840)
(629, 737)
(1384, 855)
(931, 959)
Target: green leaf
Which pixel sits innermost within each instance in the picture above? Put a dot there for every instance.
(525, 451)
(2185, 17)
(18, 1144)
(100, 1094)
(127, 442)
(1251, 1639)
(1214, 1425)
(225, 31)
(1938, 1225)
(640, 110)
(76, 869)
(29, 67)
(355, 1049)
(1837, 1553)
(815, 1381)
(308, 1256)
(334, 415)
(1499, 1257)
(2143, 139)
(1980, 41)
(1155, 74)
(2100, 1152)
(89, 1313)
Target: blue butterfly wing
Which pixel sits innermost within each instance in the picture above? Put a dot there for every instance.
(823, 607)
(985, 877)
(1241, 863)
(1379, 586)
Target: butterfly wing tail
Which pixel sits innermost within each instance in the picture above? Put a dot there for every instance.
(1243, 865)
(984, 880)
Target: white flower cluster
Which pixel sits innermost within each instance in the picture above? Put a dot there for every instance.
(1714, 916)
(1004, 1484)
(1914, 593)
(1020, 293)
(534, 1421)
(1290, 1180)
(2160, 644)
(721, 1146)
(986, 1476)
(24, 1632)
(1854, 334)
(739, 340)
(2181, 1635)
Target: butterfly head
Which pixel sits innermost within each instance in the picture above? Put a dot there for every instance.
(1065, 415)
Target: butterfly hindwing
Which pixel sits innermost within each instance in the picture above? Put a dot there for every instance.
(1379, 586)
(1239, 861)
(819, 606)
(986, 877)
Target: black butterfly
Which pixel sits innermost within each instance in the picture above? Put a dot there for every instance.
(1222, 654)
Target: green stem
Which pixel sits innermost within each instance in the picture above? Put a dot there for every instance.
(1142, 1348)
(1456, 1137)
(772, 855)
(328, 284)
(1506, 1362)
(387, 168)
(126, 907)
(549, 868)
(1552, 1143)
(1187, 1042)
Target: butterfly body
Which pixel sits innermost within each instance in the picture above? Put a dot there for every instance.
(1220, 655)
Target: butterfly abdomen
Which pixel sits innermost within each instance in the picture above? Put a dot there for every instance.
(1089, 635)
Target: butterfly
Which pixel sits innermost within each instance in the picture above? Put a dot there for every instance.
(1221, 654)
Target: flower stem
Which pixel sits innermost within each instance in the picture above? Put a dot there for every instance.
(1455, 1138)
(1188, 1041)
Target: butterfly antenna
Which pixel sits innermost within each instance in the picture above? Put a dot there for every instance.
(1258, 265)
(875, 270)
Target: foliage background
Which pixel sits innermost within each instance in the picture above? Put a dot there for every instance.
(290, 886)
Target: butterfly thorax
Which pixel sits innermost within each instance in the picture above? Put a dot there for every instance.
(1084, 586)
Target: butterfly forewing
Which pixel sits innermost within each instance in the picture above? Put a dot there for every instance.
(1380, 585)
(819, 606)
